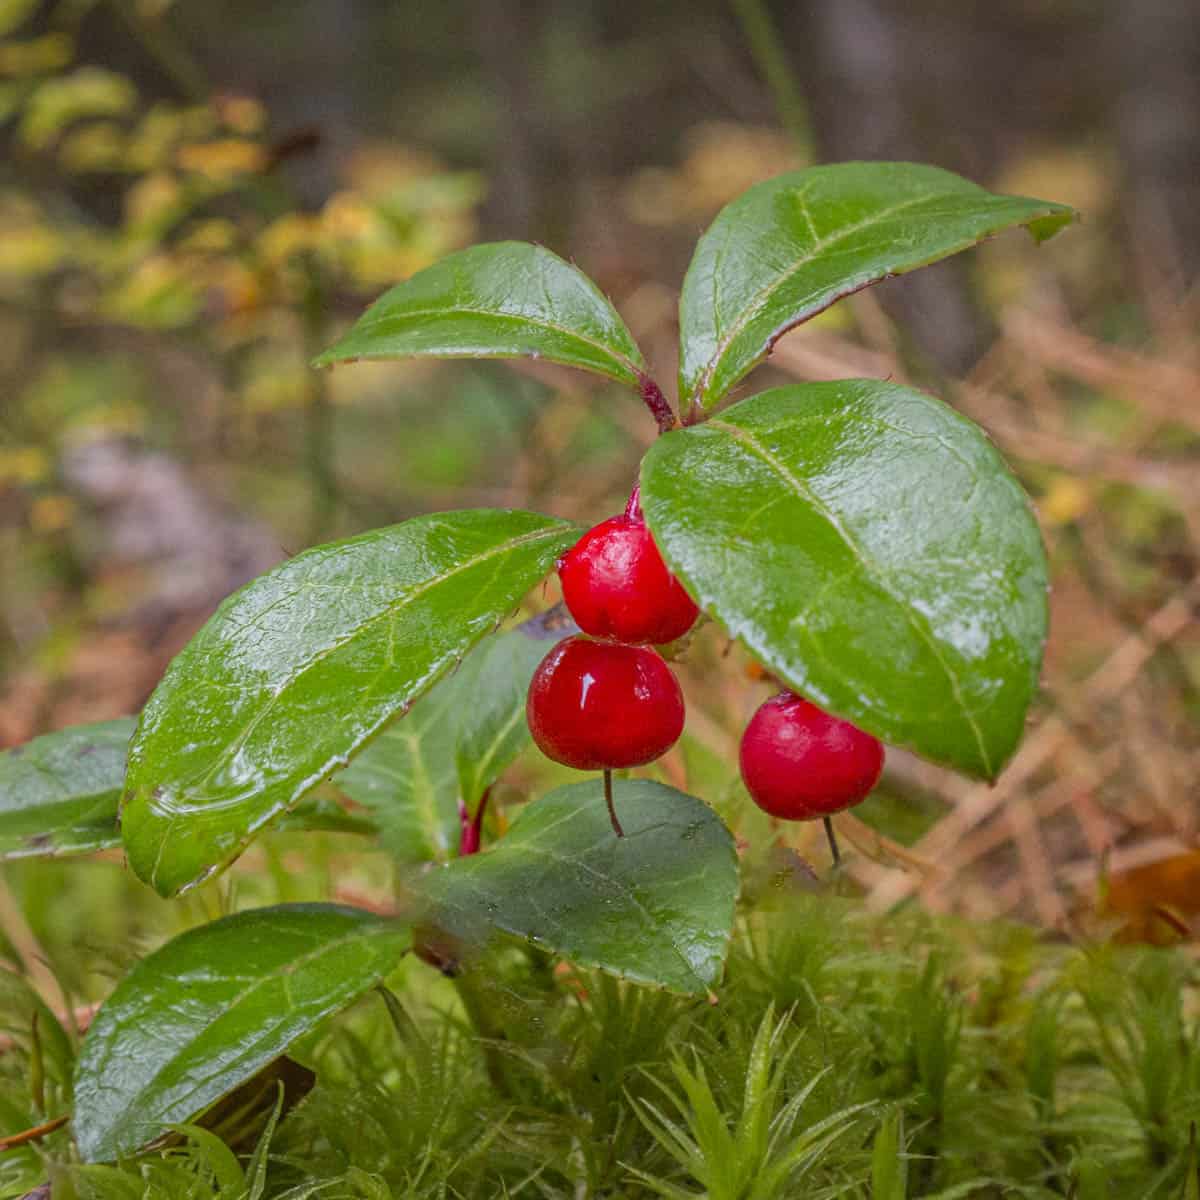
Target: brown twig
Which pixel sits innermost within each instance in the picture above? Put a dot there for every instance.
(33, 1135)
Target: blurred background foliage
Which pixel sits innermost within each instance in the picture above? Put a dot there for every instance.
(195, 197)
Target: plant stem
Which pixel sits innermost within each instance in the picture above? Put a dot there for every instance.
(657, 403)
(608, 799)
(470, 827)
(763, 38)
(833, 845)
(633, 510)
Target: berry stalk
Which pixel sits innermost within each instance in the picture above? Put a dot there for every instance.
(833, 843)
(608, 799)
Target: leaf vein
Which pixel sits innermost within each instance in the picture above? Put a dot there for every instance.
(367, 323)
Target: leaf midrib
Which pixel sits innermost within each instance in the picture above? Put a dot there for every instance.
(403, 601)
(310, 780)
(423, 792)
(765, 293)
(485, 760)
(368, 323)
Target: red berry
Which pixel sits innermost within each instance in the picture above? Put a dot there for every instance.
(596, 705)
(617, 586)
(800, 763)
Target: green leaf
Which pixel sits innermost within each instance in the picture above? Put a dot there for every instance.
(889, 1168)
(790, 247)
(320, 812)
(297, 671)
(492, 686)
(21, 1007)
(455, 742)
(501, 300)
(59, 793)
(869, 546)
(220, 1163)
(406, 779)
(212, 1007)
(655, 906)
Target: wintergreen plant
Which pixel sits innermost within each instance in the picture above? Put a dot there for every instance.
(862, 540)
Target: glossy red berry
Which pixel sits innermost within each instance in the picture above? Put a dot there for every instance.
(596, 705)
(617, 586)
(800, 763)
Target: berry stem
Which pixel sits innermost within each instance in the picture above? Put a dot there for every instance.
(833, 845)
(633, 510)
(608, 799)
(660, 408)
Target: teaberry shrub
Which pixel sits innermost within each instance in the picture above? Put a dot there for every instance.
(863, 541)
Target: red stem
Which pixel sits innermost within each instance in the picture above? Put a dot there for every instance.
(657, 403)
(470, 828)
(633, 510)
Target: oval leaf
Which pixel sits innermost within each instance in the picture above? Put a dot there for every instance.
(870, 547)
(655, 906)
(500, 300)
(59, 793)
(212, 1007)
(295, 672)
(788, 248)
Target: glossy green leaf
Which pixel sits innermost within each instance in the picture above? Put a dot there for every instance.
(454, 744)
(790, 247)
(501, 300)
(869, 546)
(59, 792)
(297, 671)
(406, 779)
(59, 795)
(655, 906)
(493, 684)
(211, 1008)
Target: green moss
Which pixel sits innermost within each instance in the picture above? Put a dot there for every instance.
(999, 1064)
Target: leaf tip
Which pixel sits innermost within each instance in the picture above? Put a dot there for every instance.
(1044, 227)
